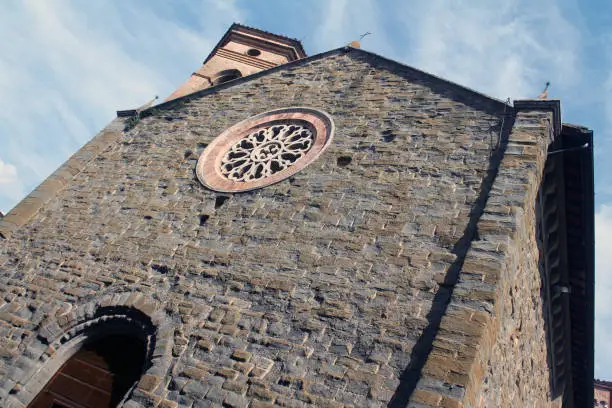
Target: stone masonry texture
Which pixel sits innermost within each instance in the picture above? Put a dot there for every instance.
(490, 350)
(523, 378)
(315, 291)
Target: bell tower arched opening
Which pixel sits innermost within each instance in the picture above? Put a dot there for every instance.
(226, 75)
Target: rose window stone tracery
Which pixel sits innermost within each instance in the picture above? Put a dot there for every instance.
(264, 149)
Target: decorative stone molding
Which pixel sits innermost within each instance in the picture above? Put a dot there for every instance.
(265, 149)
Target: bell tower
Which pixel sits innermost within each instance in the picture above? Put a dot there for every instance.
(242, 51)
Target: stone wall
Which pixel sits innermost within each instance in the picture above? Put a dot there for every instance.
(313, 291)
(490, 350)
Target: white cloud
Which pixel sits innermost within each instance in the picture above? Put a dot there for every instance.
(507, 49)
(10, 184)
(604, 144)
(67, 66)
(603, 291)
(8, 173)
(343, 21)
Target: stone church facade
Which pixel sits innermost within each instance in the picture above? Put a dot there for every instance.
(435, 250)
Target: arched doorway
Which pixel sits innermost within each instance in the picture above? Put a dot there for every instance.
(99, 375)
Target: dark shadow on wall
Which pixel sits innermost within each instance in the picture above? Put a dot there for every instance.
(552, 267)
(423, 346)
(565, 217)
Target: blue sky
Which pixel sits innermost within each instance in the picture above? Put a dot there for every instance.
(67, 66)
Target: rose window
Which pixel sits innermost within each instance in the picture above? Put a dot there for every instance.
(264, 149)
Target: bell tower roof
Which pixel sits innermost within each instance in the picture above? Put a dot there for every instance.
(290, 47)
(241, 51)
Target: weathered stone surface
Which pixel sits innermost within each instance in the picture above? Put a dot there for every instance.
(491, 345)
(309, 292)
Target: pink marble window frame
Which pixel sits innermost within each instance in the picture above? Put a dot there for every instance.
(208, 169)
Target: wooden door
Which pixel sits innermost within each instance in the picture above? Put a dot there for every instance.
(97, 376)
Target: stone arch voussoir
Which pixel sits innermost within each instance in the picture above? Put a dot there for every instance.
(61, 336)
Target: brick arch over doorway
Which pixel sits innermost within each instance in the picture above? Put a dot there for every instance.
(129, 316)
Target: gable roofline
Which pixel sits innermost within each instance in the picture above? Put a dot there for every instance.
(22, 212)
(323, 55)
(25, 209)
(429, 74)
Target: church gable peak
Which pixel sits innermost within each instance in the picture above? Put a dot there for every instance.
(408, 73)
(247, 51)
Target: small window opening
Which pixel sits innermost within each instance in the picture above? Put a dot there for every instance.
(253, 52)
(344, 161)
(200, 149)
(226, 78)
(163, 269)
(388, 136)
(203, 219)
(220, 200)
(284, 382)
(227, 75)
